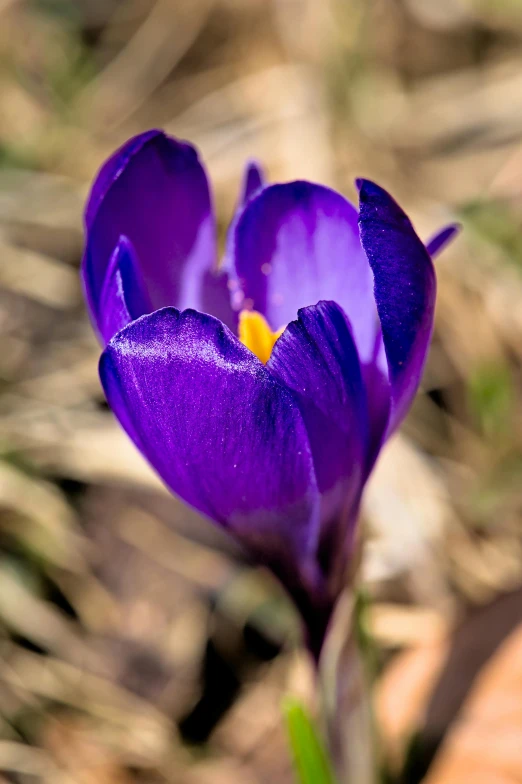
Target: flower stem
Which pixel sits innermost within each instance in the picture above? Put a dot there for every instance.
(347, 701)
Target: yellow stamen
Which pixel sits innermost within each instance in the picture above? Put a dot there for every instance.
(255, 333)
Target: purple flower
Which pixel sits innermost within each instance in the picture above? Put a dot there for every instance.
(262, 390)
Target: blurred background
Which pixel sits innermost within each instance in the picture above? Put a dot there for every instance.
(135, 644)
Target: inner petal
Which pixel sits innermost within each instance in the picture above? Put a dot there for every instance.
(255, 333)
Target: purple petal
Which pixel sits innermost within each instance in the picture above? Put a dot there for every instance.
(216, 298)
(405, 290)
(375, 374)
(298, 243)
(124, 296)
(442, 238)
(134, 288)
(111, 170)
(114, 313)
(317, 358)
(253, 181)
(154, 191)
(219, 429)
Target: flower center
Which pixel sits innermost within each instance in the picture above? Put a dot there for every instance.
(255, 333)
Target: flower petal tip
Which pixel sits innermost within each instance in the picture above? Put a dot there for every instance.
(369, 191)
(443, 238)
(452, 231)
(253, 181)
(254, 169)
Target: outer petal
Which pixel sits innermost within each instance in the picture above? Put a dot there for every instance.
(442, 238)
(298, 243)
(154, 191)
(377, 384)
(405, 290)
(219, 429)
(111, 170)
(317, 358)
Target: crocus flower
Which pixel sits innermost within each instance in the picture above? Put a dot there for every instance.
(262, 389)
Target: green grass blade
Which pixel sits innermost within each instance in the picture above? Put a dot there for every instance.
(311, 762)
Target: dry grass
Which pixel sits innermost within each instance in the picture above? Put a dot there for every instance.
(109, 589)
